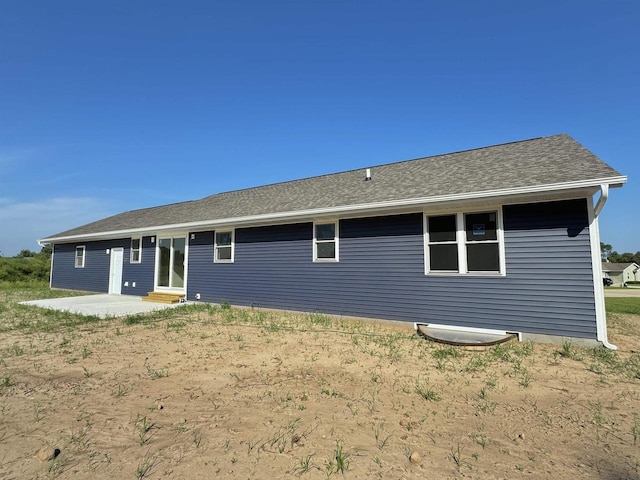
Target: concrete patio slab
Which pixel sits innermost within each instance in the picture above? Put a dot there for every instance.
(101, 305)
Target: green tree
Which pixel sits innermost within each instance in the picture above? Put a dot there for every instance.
(26, 266)
(626, 257)
(605, 251)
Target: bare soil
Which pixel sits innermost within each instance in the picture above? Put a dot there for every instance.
(232, 393)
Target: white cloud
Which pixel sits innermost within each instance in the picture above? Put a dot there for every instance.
(23, 223)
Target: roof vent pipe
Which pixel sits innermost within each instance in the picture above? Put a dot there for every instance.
(367, 175)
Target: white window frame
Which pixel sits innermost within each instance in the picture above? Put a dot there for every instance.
(84, 256)
(139, 250)
(216, 246)
(462, 242)
(335, 240)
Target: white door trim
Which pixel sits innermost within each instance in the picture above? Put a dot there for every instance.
(116, 263)
(158, 288)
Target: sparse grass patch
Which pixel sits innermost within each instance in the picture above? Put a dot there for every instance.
(15, 350)
(305, 464)
(427, 392)
(338, 463)
(382, 439)
(144, 467)
(284, 437)
(154, 373)
(445, 353)
(144, 427)
(456, 458)
(6, 382)
(310, 399)
(120, 391)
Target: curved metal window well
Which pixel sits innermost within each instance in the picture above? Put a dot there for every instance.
(464, 337)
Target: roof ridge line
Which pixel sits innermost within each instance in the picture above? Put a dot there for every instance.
(380, 165)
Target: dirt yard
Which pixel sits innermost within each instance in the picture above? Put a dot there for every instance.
(231, 393)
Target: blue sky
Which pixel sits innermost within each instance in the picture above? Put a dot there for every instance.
(111, 106)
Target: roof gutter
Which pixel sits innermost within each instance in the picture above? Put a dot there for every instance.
(348, 209)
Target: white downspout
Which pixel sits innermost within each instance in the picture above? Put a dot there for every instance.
(596, 260)
(42, 245)
(51, 267)
(604, 195)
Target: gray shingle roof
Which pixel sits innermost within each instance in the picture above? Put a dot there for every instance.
(615, 267)
(526, 164)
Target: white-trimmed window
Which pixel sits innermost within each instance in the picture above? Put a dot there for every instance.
(465, 243)
(325, 242)
(223, 246)
(80, 254)
(136, 250)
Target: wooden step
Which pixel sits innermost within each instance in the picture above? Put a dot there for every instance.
(163, 297)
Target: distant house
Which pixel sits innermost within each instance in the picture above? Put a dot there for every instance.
(620, 273)
(503, 237)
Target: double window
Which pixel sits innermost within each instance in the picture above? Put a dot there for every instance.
(80, 254)
(325, 242)
(464, 243)
(136, 250)
(223, 246)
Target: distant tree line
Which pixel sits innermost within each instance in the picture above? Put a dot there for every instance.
(610, 255)
(26, 266)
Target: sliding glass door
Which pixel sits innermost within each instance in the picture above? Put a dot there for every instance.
(171, 262)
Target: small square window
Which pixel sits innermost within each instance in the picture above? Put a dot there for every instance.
(136, 250)
(325, 242)
(223, 247)
(80, 254)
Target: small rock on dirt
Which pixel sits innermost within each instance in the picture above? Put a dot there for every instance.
(47, 453)
(415, 458)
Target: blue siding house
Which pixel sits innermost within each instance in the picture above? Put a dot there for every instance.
(502, 237)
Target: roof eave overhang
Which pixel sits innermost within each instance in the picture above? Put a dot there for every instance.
(508, 195)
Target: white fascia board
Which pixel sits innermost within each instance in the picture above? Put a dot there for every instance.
(298, 215)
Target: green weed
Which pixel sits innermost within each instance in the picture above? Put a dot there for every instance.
(154, 374)
(144, 467)
(445, 353)
(144, 427)
(427, 393)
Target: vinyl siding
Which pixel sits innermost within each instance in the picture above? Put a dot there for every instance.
(94, 277)
(141, 273)
(548, 288)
